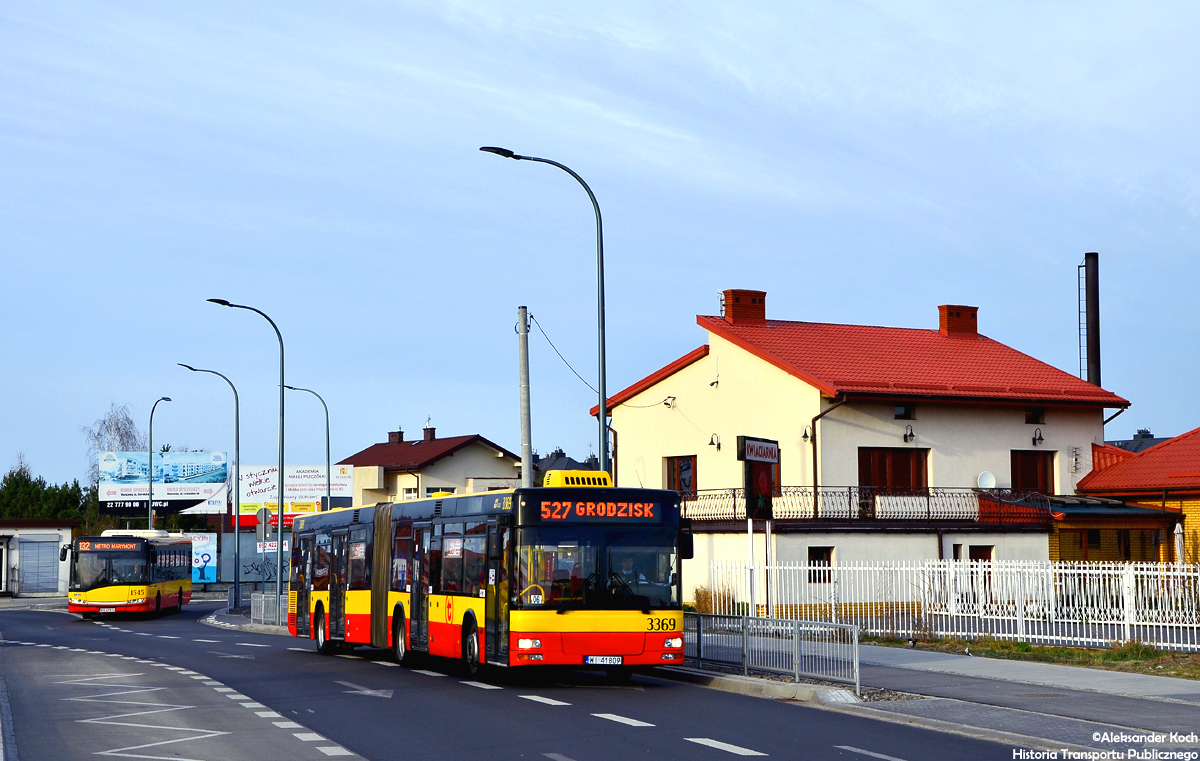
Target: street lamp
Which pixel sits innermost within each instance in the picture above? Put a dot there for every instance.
(328, 476)
(237, 483)
(603, 417)
(279, 503)
(150, 466)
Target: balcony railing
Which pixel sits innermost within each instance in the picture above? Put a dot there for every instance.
(879, 504)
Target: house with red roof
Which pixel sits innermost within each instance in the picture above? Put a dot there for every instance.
(883, 432)
(1163, 479)
(397, 470)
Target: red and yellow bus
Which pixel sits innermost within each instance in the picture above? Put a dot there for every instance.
(129, 572)
(577, 573)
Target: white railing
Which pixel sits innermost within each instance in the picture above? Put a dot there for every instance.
(864, 503)
(1065, 603)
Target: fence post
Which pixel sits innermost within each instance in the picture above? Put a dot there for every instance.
(745, 645)
(1021, 602)
(795, 651)
(856, 684)
(1128, 594)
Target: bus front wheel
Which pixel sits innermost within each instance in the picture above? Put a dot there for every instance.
(323, 645)
(470, 649)
(398, 630)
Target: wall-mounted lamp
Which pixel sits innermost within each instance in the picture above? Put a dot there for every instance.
(807, 434)
(1037, 436)
(669, 402)
(908, 434)
(715, 441)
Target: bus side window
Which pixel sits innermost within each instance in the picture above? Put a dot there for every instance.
(359, 551)
(452, 558)
(401, 552)
(320, 577)
(475, 559)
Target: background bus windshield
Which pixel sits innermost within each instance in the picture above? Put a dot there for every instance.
(102, 569)
(597, 568)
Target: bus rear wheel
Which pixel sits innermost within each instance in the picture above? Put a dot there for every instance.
(470, 649)
(324, 647)
(398, 630)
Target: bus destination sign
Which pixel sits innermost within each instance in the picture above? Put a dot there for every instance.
(568, 511)
(90, 546)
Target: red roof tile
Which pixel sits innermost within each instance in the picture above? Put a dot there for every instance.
(1173, 465)
(864, 360)
(414, 455)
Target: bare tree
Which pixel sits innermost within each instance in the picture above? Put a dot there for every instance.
(115, 432)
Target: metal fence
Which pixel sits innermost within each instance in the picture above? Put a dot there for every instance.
(865, 503)
(266, 609)
(1064, 603)
(812, 649)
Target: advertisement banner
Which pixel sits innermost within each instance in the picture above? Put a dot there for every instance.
(303, 490)
(204, 557)
(184, 482)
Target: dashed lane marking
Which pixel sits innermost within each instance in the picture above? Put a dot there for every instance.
(200, 676)
(236, 696)
(727, 747)
(307, 737)
(335, 750)
(144, 634)
(287, 725)
(483, 685)
(253, 705)
(547, 701)
(557, 757)
(622, 720)
(870, 753)
(297, 649)
(427, 673)
(385, 663)
(355, 657)
(167, 636)
(250, 644)
(210, 641)
(268, 714)
(223, 689)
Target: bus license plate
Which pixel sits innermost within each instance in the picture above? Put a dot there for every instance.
(603, 660)
(108, 610)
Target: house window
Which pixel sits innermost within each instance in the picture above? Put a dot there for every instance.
(1125, 552)
(958, 552)
(819, 560)
(1035, 416)
(431, 490)
(1032, 471)
(410, 492)
(1093, 538)
(892, 468)
(681, 473)
(906, 412)
(982, 552)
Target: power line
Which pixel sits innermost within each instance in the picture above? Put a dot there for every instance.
(559, 353)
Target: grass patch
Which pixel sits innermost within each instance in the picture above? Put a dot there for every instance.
(1131, 657)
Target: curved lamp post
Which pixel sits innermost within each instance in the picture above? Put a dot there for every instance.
(150, 466)
(279, 504)
(328, 473)
(237, 483)
(603, 416)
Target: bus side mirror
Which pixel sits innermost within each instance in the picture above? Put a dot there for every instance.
(495, 546)
(153, 556)
(687, 546)
(62, 552)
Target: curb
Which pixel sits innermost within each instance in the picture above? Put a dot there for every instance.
(212, 620)
(759, 688)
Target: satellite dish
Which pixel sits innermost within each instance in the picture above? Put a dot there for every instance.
(986, 480)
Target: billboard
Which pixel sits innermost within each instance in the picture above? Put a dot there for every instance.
(184, 482)
(303, 490)
(204, 557)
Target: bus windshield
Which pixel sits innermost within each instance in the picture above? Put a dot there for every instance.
(594, 567)
(102, 569)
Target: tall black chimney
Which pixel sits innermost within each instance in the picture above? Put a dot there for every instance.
(1091, 274)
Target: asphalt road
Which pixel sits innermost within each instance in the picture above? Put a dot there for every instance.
(239, 695)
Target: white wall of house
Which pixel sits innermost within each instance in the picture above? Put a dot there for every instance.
(962, 441)
(473, 468)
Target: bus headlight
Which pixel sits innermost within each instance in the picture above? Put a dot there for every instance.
(673, 642)
(529, 644)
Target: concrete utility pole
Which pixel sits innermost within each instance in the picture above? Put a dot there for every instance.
(526, 425)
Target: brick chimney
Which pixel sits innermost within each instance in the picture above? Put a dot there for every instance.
(396, 436)
(958, 321)
(429, 434)
(743, 307)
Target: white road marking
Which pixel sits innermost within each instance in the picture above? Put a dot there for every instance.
(335, 750)
(174, 668)
(211, 683)
(167, 636)
(427, 673)
(224, 689)
(307, 736)
(385, 663)
(735, 749)
(297, 649)
(870, 753)
(250, 644)
(253, 705)
(268, 714)
(199, 676)
(622, 720)
(43, 646)
(287, 725)
(343, 655)
(547, 701)
(557, 757)
(357, 689)
(236, 696)
(210, 641)
(482, 685)
(144, 634)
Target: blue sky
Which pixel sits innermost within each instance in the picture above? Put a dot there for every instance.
(861, 162)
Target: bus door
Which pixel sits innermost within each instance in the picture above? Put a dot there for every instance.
(419, 613)
(337, 586)
(303, 584)
(496, 605)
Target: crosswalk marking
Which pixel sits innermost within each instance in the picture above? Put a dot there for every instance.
(728, 748)
(870, 753)
(622, 720)
(307, 736)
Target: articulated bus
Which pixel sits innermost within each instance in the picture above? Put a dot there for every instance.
(576, 573)
(129, 572)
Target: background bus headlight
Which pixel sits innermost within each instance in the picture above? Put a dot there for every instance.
(529, 644)
(672, 642)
